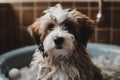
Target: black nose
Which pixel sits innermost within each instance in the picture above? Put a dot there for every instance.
(59, 40)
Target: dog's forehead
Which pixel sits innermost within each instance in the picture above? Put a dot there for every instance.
(60, 14)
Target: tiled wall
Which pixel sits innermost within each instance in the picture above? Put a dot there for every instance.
(16, 17)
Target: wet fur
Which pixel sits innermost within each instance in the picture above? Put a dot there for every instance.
(76, 66)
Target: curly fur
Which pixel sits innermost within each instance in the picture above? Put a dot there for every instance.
(72, 62)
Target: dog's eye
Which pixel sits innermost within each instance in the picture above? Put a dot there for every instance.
(50, 26)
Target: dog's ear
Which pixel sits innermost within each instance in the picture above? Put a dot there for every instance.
(34, 31)
(86, 28)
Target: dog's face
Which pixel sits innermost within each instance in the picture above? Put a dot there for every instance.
(61, 30)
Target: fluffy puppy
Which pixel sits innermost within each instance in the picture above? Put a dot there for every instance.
(62, 35)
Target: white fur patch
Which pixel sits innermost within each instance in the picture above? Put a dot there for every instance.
(68, 44)
(58, 12)
(44, 69)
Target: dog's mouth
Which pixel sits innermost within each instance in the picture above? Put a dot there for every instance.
(59, 47)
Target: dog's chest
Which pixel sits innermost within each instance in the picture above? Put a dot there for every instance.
(47, 70)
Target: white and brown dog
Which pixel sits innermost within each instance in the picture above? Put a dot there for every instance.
(62, 35)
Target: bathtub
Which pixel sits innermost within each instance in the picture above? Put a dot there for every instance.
(21, 57)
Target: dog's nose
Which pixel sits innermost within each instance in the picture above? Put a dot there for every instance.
(58, 41)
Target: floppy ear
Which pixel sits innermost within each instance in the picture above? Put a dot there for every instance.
(86, 28)
(34, 31)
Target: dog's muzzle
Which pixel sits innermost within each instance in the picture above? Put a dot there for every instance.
(59, 42)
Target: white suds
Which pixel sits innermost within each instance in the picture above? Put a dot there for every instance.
(110, 69)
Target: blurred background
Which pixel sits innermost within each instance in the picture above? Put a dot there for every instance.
(17, 15)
